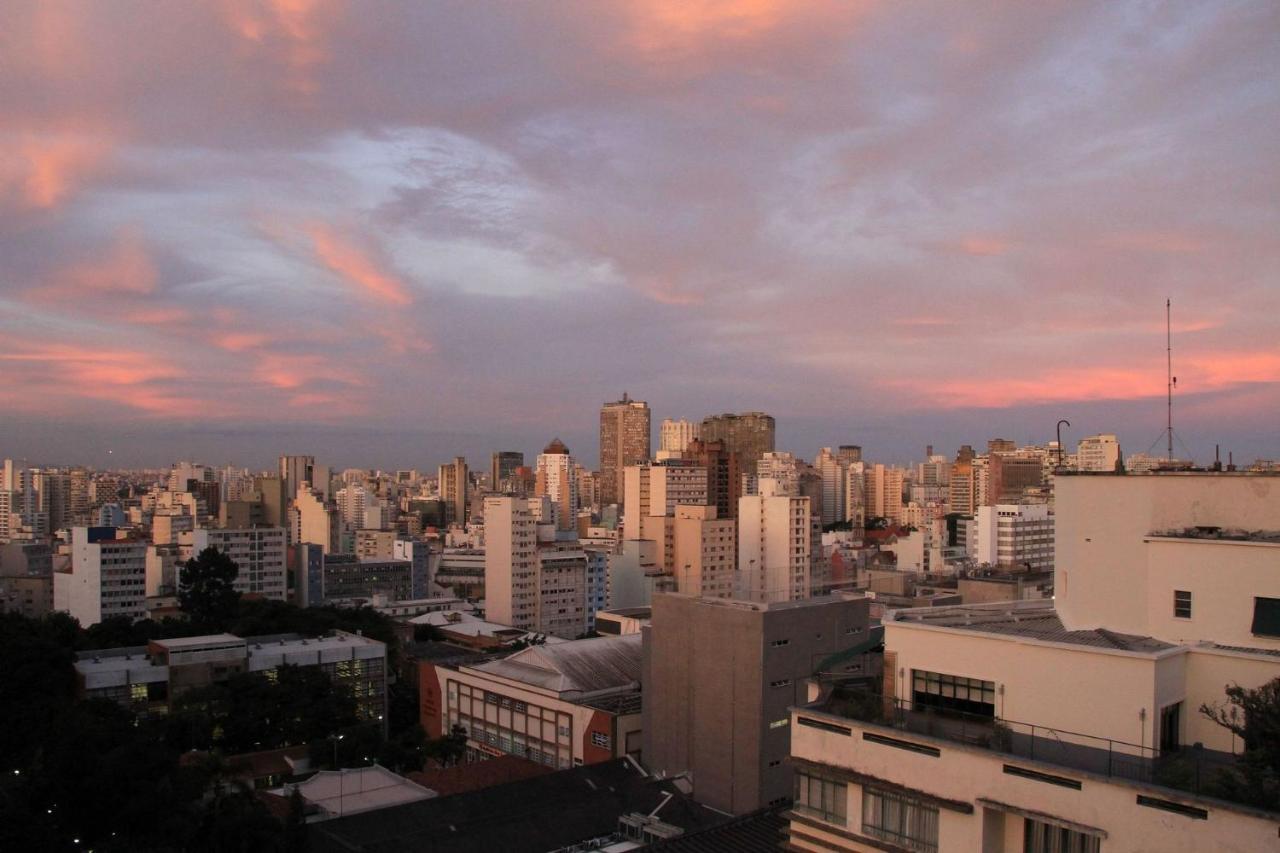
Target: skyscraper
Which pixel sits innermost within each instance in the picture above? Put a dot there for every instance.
(624, 440)
(557, 481)
(296, 471)
(502, 467)
(676, 435)
(453, 490)
(750, 435)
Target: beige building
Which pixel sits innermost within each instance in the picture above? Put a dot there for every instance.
(675, 436)
(316, 522)
(704, 552)
(750, 435)
(557, 482)
(1073, 723)
(259, 553)
(1098, 453)
(884, 492)
(774, 546)
(624, 440)
(510, 562)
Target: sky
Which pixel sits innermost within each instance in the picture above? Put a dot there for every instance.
(387, 233)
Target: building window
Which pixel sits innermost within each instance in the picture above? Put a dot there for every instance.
(1266, 617)
(601, 740)
(822, 798)
(777, 643)
(901, 820)
(944, 692)
(783, 682)
(1182, 604)
(1040, 837)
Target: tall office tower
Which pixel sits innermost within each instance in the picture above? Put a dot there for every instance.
(295, 472)
(1009, 475)
(704, 552)
(53, 495)
(832, 473)
(675, 437)
(855, 495)
(884, 492)
(723, 716)
(557, 482)
(624, 440)
(352, 502)
(453, 490)
(1098, 453)
(7, 478)
(750, 435)
(724, 475)
(962, 492)
(502, 468)
(774, 546)
(107, 577)
(510, 562)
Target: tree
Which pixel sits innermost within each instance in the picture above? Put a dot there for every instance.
(448, 750)
(1253, 715)
(206, 587)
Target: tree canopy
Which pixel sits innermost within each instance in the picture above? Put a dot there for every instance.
(206, 586)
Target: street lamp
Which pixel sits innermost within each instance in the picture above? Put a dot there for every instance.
(335, 740)
(1059, 430)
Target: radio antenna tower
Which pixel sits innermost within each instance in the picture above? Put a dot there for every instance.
(1173, 380)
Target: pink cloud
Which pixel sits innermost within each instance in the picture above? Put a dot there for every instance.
(357, 266)
(983, 246)
(294, 31)
(41, 171)
(125, 269)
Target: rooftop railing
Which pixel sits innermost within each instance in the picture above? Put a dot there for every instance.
(1193, 769)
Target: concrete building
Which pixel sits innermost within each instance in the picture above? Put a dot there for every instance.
(26, 578)
(557, 482)
(453, 485)
(561, 705)
(106, 577)
(721, 714)
(884, 492)
(259, 552)
(511, 562)
(750, 435)
(675, 437)
(724, 474)
(1064, 724)
(348, 577)
(774, 546)
(1011, 475)
(316, 522)
(704, 552)
(150, 677)
(624, 440)
(502, 470)
(1013, 536)
(562, 591)
(297, 472)
(1098, 453)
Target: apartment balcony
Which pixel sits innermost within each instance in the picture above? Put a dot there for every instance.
(1189, 770)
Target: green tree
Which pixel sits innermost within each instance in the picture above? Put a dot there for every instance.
(206, 587)
(448, 750)
(1253, 715)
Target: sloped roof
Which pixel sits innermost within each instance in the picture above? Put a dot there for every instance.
(577, 666)
(360, 789)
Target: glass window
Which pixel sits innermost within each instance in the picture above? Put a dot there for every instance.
(1182, 604)
(822, 798)
(1266, 617)
(1040, 837)
(899, 819)
(953, 693)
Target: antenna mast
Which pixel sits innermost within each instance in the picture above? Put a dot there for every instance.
(1168, 332)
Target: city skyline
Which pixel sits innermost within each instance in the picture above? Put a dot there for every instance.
(411, 233)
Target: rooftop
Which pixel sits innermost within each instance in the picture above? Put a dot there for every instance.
(479, 775)
(757, 832)
(1033, 620)
(577, 666)
(1218, 534)
(359, 789)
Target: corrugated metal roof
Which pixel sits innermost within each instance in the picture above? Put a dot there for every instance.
(1033, 620)
(583, 666)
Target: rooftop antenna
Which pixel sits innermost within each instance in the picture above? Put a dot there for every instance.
(1173, 380)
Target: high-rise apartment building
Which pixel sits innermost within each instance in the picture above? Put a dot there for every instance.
(317, 522)
(724, 475)
(750, 435)
(1098, 453)
(453, 485)
(704, 552)
(295, 472)
(556, 481)
(624, 440)
(774, 546)
(884, 492)
(1013, 536)
(675, 437)
(106, 577)
(719, 677)
(1010, 474)
(511, 562)
(260, 553)
(962, 488)
(502, 470)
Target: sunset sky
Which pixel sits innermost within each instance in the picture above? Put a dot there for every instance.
(387, 233)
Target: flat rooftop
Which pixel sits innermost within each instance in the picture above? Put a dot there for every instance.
(1218, 534)
(1033, 620)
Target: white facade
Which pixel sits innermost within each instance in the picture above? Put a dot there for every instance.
(675, 436)
(556, 480)
(774, 558)
(1013, 536)
(106, 578)
(511, 562)
(1098, 453)
(260, 553)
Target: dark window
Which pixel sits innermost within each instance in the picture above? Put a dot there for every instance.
(1266, 617)
(900, 819)
(822, 798)
(953, 693)
(1182, 604)
(1040, 837)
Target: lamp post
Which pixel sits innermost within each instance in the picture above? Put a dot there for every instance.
(1059, 430)
(335, 740)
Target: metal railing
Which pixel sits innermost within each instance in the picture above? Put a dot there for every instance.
(1191, 769)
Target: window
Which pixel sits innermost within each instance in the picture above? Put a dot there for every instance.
(902, 820)
(782, 682)
(778, 724)
(777, 643)
(1266, 617)
(953, 693)
(1181, 604)
(822, 798)
(1040, 837)
(601, 740)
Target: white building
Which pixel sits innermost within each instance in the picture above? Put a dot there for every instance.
(511, 562)
(1013, 536)
(106, 577)
(260, 553)
(774, 556)
(1065, 724)
(704, 550)
(675, 436)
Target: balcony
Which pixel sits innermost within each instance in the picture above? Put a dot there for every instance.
(1193, 770)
